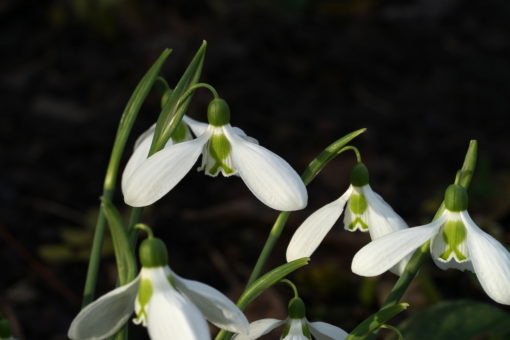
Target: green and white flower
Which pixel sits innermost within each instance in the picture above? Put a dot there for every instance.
(296, 327)
(456, 242)
(366, 211)
(168, 305)
(224, 149)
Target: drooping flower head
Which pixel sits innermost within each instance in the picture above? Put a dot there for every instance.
(295, 327)
(366, 211)
(456, 242)
(224, 149)
(169, 306)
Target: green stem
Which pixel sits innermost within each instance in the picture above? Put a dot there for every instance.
(353, 148)
(126, 123)
(292, 286)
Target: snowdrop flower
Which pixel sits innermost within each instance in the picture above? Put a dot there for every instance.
(169, 306)
(366, 211)
(224, 149)
(456, 242)
(296, 326)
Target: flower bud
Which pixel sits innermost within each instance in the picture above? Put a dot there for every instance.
(296, 308)
(218, 112)
(359, 175)
(153, 253)
(456, 198)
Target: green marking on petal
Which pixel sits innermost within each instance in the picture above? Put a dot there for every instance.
(454, 234)
(363, 226)
(171, 280)
(358, 204)
(219, 149)
(306, 331)
(144, 296)
(286, 330)
(180, 132)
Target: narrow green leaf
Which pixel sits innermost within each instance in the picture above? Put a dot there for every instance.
(174, 108)
(329, 153)
(269, 279)
(375, 321)
(124, 255)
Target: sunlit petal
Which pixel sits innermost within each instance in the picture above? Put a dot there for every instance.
(215, 306)
(161, 172)
(325, 331)
(268, 176)
(259, 328)
(380, 255)
(312, 231)
(491, 261)
(103, 317)
(140, 153)
(382, 219)
(197, 127)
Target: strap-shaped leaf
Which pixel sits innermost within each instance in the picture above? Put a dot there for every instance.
(175, 107)
(124, 255)
(375, 321)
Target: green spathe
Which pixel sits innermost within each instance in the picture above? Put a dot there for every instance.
(456, 198)
(297, 308)
(359, 175)
(218, 112)
(153, 253)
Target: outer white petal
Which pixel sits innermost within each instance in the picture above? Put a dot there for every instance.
(159, 173)
(197, 127)
(380, 255)
(140, 153)
(312, 231)
(325, 331)
(268, 176)
(259, 328)
(106, 315)
(241, 133)
(216, 307)
(382, 219)
(491, 261)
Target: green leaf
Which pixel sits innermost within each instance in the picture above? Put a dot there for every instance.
(329, 153)
(462, 319)
(375, 321)
(174, 108)
(126, 264)
(269, 279)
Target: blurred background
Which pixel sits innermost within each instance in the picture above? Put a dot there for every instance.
(424, 76)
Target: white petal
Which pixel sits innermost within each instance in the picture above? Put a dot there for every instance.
(171, 315)
(382, 219)
(491, 261)
(312, 231)
(197, 127)
(259, 328)
(268, 176)
(380, 255)
(243, 134)
(158, 174)
(216, 307)
(106, 315)
(325, 331)
(140, 153)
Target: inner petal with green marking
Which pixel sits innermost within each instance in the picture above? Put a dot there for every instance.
(144, 295)
(354, 217)
(453, 233)
(216, 155)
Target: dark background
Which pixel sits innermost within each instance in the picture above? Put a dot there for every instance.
(424, 77)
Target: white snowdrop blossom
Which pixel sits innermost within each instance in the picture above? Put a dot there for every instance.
(224, 149)
(366, 211)
(296, 327)
(456, 242)
(169, 306)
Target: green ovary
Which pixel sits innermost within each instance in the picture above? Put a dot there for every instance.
(454, 234)
(219, 150)
(179, 134)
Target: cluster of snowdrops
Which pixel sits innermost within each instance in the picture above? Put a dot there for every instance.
(171, 307)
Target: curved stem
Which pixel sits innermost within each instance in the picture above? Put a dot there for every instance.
(353, 148)
(292, 285)
(145, 228)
